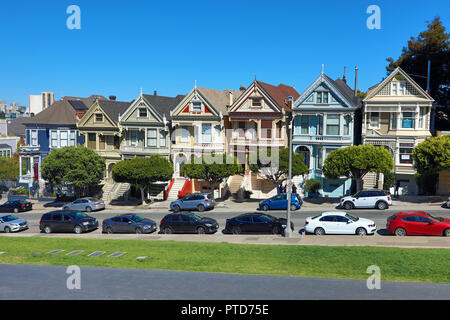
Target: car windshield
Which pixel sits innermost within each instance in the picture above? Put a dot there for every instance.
(9, 218)
(93, 199)
(79, 215)
(435, 218)
(137, 218)
(356, 194)
(196, 216)
(349, 216)
(23, 201)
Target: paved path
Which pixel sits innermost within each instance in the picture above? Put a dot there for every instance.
(31, 282)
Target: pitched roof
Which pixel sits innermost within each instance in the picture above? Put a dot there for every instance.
(16, 127)
(343, 87)
(163, 105)
(280, 93)
(114, 108)
(219, 99)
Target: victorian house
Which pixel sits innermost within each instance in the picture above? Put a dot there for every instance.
(396, 116)
(324, 120)
(257, 119)
(197, 129)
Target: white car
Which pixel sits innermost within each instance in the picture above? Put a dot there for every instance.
(339, 223)
(447, 204)
(367, 199)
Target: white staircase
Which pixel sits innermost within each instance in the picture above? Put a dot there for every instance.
(177, 186)
(370, 181)
(234, 183)
(121, 193)
(107, 189)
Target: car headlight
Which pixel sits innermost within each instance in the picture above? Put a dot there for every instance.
(283, 225)
(85, 223)
(208, 224)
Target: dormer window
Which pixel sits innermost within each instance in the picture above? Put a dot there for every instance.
(98, 117)
(142, 112)
(322, 97)
(398, 88)
(256, 102)
(196, 107)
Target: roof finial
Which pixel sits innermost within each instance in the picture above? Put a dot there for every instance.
(322, 68)
(141, 91)
(195, 84)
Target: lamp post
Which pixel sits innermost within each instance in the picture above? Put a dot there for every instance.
(287, 230)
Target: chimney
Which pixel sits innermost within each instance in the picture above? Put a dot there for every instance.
(155, 93)
(242, 88)
(230, 95)
(343, 78)
(112, 98)
(356, 81)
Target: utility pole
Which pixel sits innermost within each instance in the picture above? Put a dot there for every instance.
(287, 230)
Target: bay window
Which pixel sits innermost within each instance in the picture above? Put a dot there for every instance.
(304, 125)
(34, 138)
(162, 138)
(152, 138)
(54, 139)
(333, 125)
(347, 120)
(408, 120)
(206, 133)
(374, 120)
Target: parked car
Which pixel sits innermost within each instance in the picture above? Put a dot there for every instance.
(85, 204)
(128, 223)
(256, 222)
(187, 223)
(280, 202)
(67, 221)
(195, 201)
(10, 223)
(417, 223)
(16, 206)
(447, 203)
(367, 199)
(339, 223)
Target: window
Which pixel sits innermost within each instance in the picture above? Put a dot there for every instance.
(266, 126)
(374, 121)
(256, 102)
(34, 137)
(328, 219)
(152, 139)
(322, 97)
(185, 134)
(398, 88)
(92, 140)
(98, 117)
(101, 143)
(333, 125)
(279, 127)
(63, 139)
(217, 132)
(196, 107)
(320, 125)
(116, 143)
(206, 133)
(54, 139)
(304, 125)
(162, 138)
(408, 121)
(405, 155)
(394, 120)
(347, 120)
(142, 112)
(341, 219)
(133, 137)
(319, 158)
(73, 138)
(422, 115)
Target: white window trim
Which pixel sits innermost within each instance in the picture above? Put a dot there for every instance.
(370, 121)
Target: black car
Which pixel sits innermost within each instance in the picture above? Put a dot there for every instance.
(16, 206)
(256, 222)
(128, 223)
(188, 223)
(67, 221)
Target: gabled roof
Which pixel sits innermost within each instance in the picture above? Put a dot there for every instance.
(114, 108)
(163, 105)
(280, 93)
(16, 127)
(219, 99)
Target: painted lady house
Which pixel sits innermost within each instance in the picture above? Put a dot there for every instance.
(324, 120)
(197, 128)
(257, 119)
(396, 116)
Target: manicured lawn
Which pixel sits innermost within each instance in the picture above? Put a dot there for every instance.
(396, 264)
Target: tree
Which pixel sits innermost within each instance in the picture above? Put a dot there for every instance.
(432, 155)
(212, 169)
(277, 169)
(9, 168)
(143, 171)
(79, 166)
(356, 161)
(432, 44)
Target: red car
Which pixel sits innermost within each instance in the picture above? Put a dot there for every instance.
(418, 223)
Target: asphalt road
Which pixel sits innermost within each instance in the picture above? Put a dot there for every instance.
(27, 281)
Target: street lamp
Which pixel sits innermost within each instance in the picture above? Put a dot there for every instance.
(287, 230)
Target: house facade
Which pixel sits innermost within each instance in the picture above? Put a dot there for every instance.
(324, 120)
(396, 116)
(257, 119)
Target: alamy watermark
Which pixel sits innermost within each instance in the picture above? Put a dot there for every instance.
(374, 20)
(374, 281)
(74, 280)
(74, 20)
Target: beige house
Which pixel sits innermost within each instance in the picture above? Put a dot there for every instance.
(396, 115)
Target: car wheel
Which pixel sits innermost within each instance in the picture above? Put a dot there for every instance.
(276, 230)
(319, 231)
(400, 232)
(16, 210)
(348, 206)
(201, 230)
(236, 230)
(293, 207)
(176, 208)
(88, 209)
(168, 230)
(201, 208)
(109, 230)
(381, 205)
(7, 230)
(138, 231)
(265, 207)
(361, 232)
(47, 229)
(77, 229)
(447, 232)
(66, 208)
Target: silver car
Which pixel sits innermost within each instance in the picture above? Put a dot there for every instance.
(85, 204)
(10, 223)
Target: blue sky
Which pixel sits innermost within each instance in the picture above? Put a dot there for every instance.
(167, 45)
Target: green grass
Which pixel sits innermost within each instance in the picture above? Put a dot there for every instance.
(396, 264)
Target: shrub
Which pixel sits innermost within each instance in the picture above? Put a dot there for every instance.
(19, 190)
(312, 186)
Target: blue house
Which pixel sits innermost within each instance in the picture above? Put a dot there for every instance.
(324, 120)
(54, 127)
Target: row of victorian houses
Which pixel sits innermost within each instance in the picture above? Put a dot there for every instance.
(395, 114)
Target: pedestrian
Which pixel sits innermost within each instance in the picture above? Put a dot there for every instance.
(397, 186)
(294, 188)
(284, 189)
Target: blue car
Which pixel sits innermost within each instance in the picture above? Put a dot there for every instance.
(195, 201)
(279, 202)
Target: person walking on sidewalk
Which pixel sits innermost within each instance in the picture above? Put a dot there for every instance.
(294, 188)
(397, 186)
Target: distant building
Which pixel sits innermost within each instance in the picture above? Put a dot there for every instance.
(37, 103)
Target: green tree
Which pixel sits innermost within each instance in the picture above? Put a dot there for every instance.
(356, 161)
(141, 172)
(432, 155)
(277, 169)
(9, 168)
(432, 44)
(79, 166)
(212, 169)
